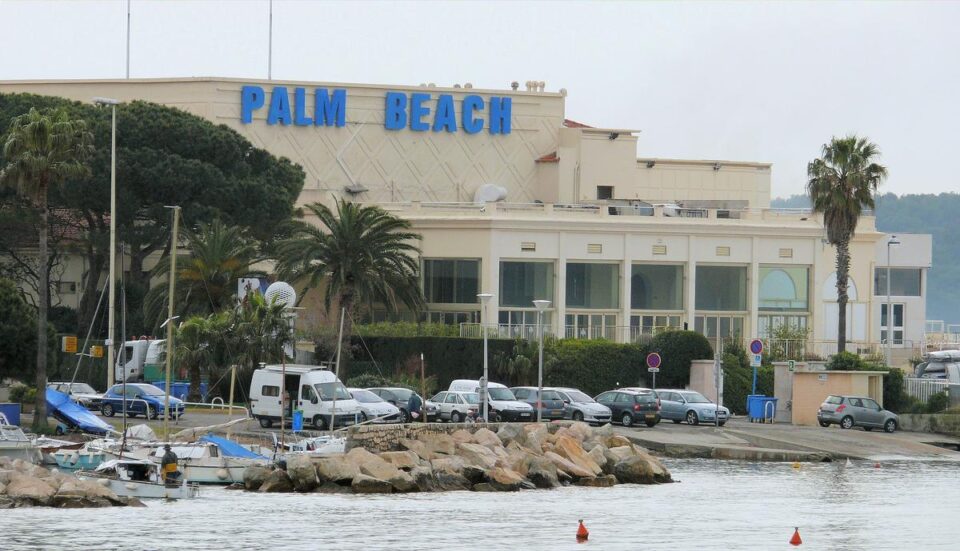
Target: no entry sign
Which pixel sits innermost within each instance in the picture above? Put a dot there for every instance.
(653, 360)
(756, 346)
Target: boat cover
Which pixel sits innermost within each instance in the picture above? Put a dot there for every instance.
(72, 414)
(230, 448)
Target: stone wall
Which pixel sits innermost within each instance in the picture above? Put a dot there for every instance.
(384, 438)
(942, 423)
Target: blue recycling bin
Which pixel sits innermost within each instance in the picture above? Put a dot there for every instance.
(180, 389)
(753, 407)
(297, 420)
(11, 412)
(761, 409)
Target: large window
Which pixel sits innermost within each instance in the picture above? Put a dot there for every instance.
(656, 287)
(897, 336)
(451, 281)
(523, 282)
(723, 327)
(784, 288)
(593, 286)
(722, 288)
(904, 282)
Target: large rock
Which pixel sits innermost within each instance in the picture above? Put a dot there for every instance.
(570, 448)
(364, 484)
(504, 480)
(2, 487)
(335, 469)
(417, 447)
(276, 482)
(74, 502)
(461, 436)
(580, 431)
(303, 473)
(598, 455)
(604, 481)
(402, 460)
(478, 455)
(85, 489)
(567, 466)
(449, 481)
(23, 487)
(254, 476)
(379, 469)
(616, 440)
(453, 464)
(511, 432)
(5, 475)
(402, 482)
(641, 470)
(360, 456)
(486, 437)
(542, 473)
(332, 488)
(440, 443)
(474, 473)
(424, 479)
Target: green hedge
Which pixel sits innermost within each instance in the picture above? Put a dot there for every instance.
(594, 366)
(677, 349)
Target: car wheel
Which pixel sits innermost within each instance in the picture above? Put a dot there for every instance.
(722, 423)
(404, 416)
(363, 416)
(651, 424)
(626, 420)
(846, 422)
(578, 416)
(867, 429)
(107, 410)
(890, 425)
(455, 417)
(266, 423)
(692, 418)
(676, 421)
(496, 417)
(824, 424)
(319, 422)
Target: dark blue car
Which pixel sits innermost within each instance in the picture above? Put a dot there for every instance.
(142, 399)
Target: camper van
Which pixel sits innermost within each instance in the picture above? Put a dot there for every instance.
(140, 361)
(310, 388)
(503, 405)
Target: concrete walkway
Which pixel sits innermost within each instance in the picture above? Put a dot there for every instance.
(740, 439)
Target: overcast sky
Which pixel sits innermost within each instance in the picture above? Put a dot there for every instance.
(744, 81)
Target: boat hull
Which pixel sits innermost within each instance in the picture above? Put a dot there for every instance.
(146, 489)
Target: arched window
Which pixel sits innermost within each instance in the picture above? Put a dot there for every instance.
(829, 290)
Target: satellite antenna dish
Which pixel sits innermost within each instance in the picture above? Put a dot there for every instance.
(281, 292)
(490, 193)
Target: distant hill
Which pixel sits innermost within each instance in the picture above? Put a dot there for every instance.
(933, 214)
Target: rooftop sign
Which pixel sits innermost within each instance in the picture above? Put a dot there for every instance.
(401, 110)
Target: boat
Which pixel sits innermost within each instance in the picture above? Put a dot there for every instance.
(211, 460)
(73, 415)
(88, 457)
(50, 446)
(318, 446)
(138, 478)
(17, 445)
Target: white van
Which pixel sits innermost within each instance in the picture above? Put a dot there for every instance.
(143, 361)
(310, 388)
(504, 406)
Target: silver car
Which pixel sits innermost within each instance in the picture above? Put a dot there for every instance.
(690, 406)
(856, 411)
(580, 407)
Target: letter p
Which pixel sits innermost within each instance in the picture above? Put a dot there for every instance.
(251, 99)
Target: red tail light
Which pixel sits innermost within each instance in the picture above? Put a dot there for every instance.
(636, 407)
(841, 407)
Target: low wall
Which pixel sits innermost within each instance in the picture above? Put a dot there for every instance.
(384, 438)
(942, 423)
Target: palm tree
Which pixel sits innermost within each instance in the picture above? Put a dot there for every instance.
(43, 149)
(258, 331)
(197, 346)
(207, 276)
(361, 254)
(841, 184)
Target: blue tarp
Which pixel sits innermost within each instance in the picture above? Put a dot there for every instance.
(72, 414)
(230, 448)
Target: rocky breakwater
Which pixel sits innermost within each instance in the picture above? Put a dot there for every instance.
(514, 458)
(23, 484)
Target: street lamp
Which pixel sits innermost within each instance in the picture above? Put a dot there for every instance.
(484, 299)
(113, 103)
(888, 348)
(541, 306)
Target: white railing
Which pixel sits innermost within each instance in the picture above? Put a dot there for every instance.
(923, 389)
(527, 331)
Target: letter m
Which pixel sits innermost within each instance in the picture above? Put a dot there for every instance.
(331, 109)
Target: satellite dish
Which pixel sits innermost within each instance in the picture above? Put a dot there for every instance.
(282, 292)
(490, 193)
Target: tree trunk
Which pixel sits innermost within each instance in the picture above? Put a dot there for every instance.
(347, 305)
(43, 287)
(843, 273)
(194, 394)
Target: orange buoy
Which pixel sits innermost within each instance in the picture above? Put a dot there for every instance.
(876, 465)
(795, 540)
(582, 532)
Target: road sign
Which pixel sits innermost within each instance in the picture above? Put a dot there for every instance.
(756, 346)
(96, 351)
(69, 344)
(653, 370)
(756, 360)
(653, 361)
(791, 365)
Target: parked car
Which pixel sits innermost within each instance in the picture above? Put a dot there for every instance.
(552, 406)
(580, 407)
(399, 397)
(690, 406)
(374, 407)
(81, 393)
(856, 411)
(455, 406)
(504, 406)
(630, 406)
(141, 399)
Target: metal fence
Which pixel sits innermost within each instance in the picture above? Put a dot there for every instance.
(923, 389)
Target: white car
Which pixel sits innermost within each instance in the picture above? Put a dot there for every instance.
(81, 393)
(375, 408)
(580, 407)
(456, 407)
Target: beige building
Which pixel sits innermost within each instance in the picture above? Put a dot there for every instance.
(514, 199)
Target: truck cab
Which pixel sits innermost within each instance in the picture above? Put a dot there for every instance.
(314, 390)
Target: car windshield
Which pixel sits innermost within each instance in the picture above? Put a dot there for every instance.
(646, 398)
(332, 391)
(151, 390)
(366, 397)
(551, 395)
(471, 397)
(580, 397)
(79, 388)
(696, 398)
(500, 394)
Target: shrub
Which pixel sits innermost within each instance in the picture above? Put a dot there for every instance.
(23, 394)
(367, 380)
(407, 329)
(738, 378)
(677, 349)
(845, 361)
(594, 366)
(895, 397)
(937, 403)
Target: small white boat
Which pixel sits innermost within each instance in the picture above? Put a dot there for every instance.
(140, 479)
(16, 445)
(319, 446)
(207, 462)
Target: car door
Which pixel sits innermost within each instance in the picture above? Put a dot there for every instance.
(438, 399)
(669, 406)
(606, 399)
(623, 403)
(449, 404)
(135, 404)
(872, 413)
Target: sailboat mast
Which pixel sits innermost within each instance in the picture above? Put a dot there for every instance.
(173, 281)
(333, 409)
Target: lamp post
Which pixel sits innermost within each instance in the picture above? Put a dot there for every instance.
(485, 299)
(541, 306)
(888, 349)
(111, 304)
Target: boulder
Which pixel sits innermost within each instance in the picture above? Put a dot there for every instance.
(254, 476)
(580, 431)
(364, 484)
(570, 448)
(417, 447)
(5, 475)
(2, 487)
(462, 436)
(86, 489)
(484, 487)
(332, 488)
(542, 473)
(360, 456)
(440, 443)
(303, 473)
(504, 480)
(276, 482)
(478, 455)
(603, 481)
(453, 464)
(511, 432)
(74, 502)
(616, 440)
(598, 455)
(335, 469)
(402, 482)
(27, 487)
(402, 460)
(473, 473)
(7, 503)
(379, 469)
(488, 438)
(567, 466)
(535, 435)
(449, 481)
(641, 470)
(133, 502)
(622, 452)
(423, 478)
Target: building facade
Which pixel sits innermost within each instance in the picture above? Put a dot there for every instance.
(514, 199)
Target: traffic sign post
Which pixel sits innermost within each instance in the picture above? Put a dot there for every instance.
(756, 359)
(653, 366)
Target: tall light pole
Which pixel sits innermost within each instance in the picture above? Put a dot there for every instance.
(111, 305)
(541, 306)
(484, 299)
(888, 348)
